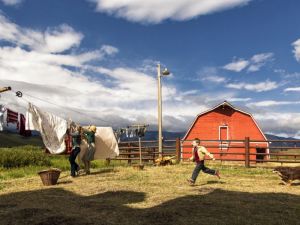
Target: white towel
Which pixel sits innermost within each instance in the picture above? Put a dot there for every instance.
(2, 110)
(51, 127)
(105, 142)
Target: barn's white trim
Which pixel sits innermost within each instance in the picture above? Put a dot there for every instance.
(224, 144)
(227, 131)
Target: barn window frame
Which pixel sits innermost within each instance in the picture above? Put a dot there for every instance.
(224, 145)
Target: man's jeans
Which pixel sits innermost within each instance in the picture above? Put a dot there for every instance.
(72, 158)
(200, 166)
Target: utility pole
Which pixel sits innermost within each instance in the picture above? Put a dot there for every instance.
(159, 111)
(160, 73)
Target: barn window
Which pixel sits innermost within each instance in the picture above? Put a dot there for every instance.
(223, 137)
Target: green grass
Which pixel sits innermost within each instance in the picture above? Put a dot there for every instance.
(23, 156)
(8, 140)
(27, 161)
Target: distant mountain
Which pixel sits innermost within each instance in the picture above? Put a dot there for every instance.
(11, 139)
(153, 135)
(282, 144)
(275, 137)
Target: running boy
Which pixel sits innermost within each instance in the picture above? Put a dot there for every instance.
(198, 156)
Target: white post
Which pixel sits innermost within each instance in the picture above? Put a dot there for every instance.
(159, 111)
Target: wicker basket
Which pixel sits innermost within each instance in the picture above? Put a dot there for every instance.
(49, 177)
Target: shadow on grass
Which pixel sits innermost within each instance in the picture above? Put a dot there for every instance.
(101, 171)
(65, 182)
(291, 184)
(56, 206)
(213, 182)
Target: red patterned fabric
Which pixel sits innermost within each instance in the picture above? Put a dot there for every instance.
(12, 117)
(68, 142)
(22, 131)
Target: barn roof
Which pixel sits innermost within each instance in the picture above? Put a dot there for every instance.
(225, 103)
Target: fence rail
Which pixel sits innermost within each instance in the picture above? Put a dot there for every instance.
(245, 150)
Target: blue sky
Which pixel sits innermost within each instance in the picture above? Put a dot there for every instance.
(100, 56)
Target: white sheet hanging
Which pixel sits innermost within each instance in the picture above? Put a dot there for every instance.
(2, 110)
(51, 127)
(105, 142)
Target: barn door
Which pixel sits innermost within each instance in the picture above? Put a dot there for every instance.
(223, 133)
(223, 136)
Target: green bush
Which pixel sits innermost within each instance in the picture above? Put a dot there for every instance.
(23, 156)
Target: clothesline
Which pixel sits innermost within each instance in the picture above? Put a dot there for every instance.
(60, 106)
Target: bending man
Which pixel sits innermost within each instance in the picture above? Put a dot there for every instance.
(89, 154)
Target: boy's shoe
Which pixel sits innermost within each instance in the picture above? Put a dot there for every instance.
(218, 174)
(190, 181)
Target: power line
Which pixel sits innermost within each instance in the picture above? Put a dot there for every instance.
(60, 106)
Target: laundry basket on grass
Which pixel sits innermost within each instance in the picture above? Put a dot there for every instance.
(49, 177)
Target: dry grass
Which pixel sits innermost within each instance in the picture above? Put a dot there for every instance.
(157, 195)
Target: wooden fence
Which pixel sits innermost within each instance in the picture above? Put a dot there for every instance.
(278, 150)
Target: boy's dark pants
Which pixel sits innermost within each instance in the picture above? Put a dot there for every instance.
(200, 166)
(72, 158)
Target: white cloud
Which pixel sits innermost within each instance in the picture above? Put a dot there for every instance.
(271, 103)
(237, 65)
(118, 95)
(190, 92)
(279, 123)
(259, 60)
(214, 79)
(109, 50)
(255, 63)
(12, 2)
(156, 11)
(296, 50)
(53, 40)
(292, 89)
(210, 74)
(257, 87)
(239, 99)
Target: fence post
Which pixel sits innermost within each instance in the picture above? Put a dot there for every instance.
(129, 156)
(247, 151)
(153, 154)
(178, 150)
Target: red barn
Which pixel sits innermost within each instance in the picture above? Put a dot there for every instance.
(223, 130)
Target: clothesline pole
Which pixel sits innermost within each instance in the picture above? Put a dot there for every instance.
(140, 147)
(140, 130)
(3, 89)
